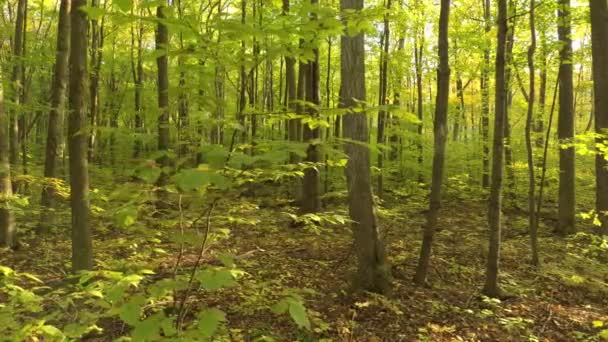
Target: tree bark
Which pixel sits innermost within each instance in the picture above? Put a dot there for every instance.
(17, 81)
(373, 270)
(532, 222)
(485, 100)
(599, 46)
(491, 287)
(382, 100)
(82, 249)
(56, 113)
(565, 123)
(440, 135)
(311, 202)
(162, 63)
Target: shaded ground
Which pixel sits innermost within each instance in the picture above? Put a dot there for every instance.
(559, 303)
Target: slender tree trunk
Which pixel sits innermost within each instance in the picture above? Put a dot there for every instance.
(96, 56)
(382, 98)
(542, 91)
(565, 123)
(184, 140)
(311, 202)
(82, 249)
(373, 270)
(492, 287)
(419, 98)
(440, 135)
(599, 42)
(532, 222)
(17, 80)
(162, 63)
(8, 230)
(509, 163)
(137, 68)
(56, 113)
(485, 100)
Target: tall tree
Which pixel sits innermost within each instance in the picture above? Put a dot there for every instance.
(56, 113)
(492, 287)
(382, 95)
(82, 245)
(373, 270)
(529, 124)
(7, 220)
(440, 133)
(17, 79)
(311, 201)
(485, 98)
(162, 63)
(565, 122)
(599, 46)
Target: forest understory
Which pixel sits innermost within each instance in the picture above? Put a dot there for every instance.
(565, 300)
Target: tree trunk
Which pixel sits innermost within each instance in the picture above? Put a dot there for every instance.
(162, 63)
(418, 65)
(532, 222)
(96, 56)
(82, 249)
(137, 68)
(17, 80)
(373, 270)
(491, 287)
(382, 101)
(311, 202)
(542, 91)
(565, 123)
(599, 42)
(56, 113)
(440, 135)
(485, 101)
(7, 220)
(509, 163)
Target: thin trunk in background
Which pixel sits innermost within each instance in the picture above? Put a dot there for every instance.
(440, 135)
(485, 99)
(382, 98)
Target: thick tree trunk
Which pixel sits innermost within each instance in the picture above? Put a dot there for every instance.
(82, 249)
(373, 270)
(311, 201)
(440, 134)
(491, 287)
(565, 123)
(599, 42)
(56, 113)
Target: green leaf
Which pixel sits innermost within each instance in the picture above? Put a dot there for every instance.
(49, 330)
(209, 320)
(129, 313)
(297, 311)
(126, 217)
(124, 5)
(603, 334)
(192, 179)
(147, 330)
(215, 279)
(280, 307)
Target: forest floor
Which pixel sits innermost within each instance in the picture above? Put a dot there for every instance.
(567, 300)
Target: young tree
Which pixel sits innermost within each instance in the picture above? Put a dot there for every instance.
(485, 98)
(440, 133)
(382, 97)
(17, 79)
(491, 287)
(565, 122)
(56, 113)
(599, 46)
(529, 123)
(373, 270)
(162, 63)
(7, 220)
(82, 245)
